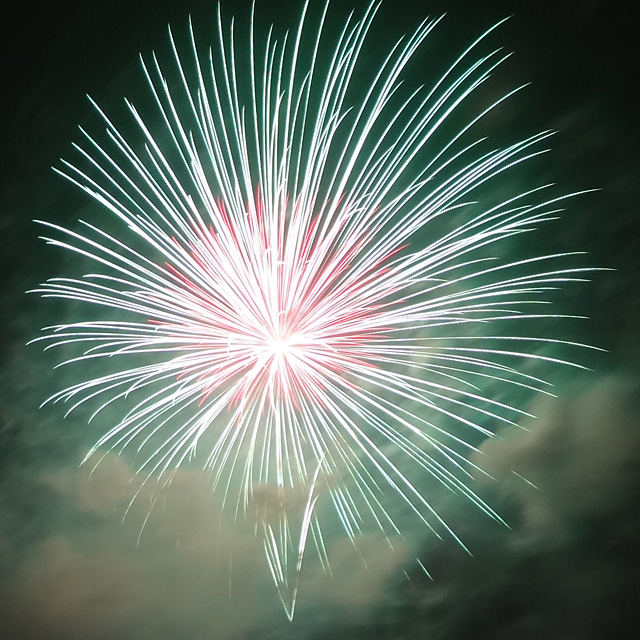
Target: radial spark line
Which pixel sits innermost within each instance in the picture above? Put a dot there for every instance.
(299, 282)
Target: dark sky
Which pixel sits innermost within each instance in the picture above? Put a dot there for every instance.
(60, 533)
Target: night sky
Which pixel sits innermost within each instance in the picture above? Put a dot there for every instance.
(567, 567)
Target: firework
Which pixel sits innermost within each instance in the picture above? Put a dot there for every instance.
(297, 289)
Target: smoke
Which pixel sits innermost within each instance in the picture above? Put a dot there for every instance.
(121, 557)
(568, 485)
(126, 559)
(95, 551)
(581, 456)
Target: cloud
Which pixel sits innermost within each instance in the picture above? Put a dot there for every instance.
(127, 558)
(568, 565)
(581, 456)
(168, 568)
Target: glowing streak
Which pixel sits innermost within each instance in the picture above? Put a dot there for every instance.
(288, 293)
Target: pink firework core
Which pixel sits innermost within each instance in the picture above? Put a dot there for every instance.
(276, 306)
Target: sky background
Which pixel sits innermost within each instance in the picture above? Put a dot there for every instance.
(567, 567)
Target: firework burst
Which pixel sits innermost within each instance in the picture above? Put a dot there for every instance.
(284, 306)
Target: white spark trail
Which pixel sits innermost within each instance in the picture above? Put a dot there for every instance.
(285, 300)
